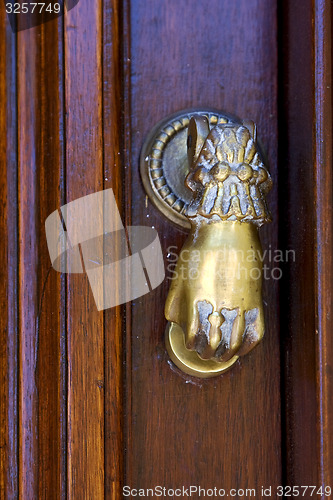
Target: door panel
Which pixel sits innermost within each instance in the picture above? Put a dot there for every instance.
(89, 399)
(217, 431)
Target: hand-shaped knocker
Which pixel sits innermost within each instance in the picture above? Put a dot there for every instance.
(214, 306)
(214, 303)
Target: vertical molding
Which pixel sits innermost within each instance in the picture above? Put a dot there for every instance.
(84, 175)
(64, 284)
(9, 260)
(114, 177)
(127, 155)
(51, 302)
(28, 125)
(323, 195)
(296, 184)
(40, 154)
(306, 209)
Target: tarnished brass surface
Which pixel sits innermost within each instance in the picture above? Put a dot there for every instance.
(216, 297)
(214, 304)
(189, 361)
(164, 165)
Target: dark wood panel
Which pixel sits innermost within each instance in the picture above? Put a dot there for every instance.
(9, 263)
(180, 430)
(51, 319)
(113, 178)
(324, 234)
(306, 209)
(84, 175)
(28, 155)
(42, 407)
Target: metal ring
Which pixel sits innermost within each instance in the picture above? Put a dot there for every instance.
(189, 361)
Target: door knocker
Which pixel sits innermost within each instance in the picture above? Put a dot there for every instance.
(204, 171)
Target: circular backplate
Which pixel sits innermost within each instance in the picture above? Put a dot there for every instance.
(189, 361)
(164, 165)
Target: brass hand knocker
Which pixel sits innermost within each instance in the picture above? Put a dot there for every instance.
(214, 306)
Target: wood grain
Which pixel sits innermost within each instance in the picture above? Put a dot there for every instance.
(41, 293)
(89, 399)
(51, 320)
(28, 155)
(113, 178)
(9, 264)
(84, 175)
(306, 208)
(182, 431)
(324, 235)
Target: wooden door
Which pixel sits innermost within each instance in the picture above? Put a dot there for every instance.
(90, 402)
